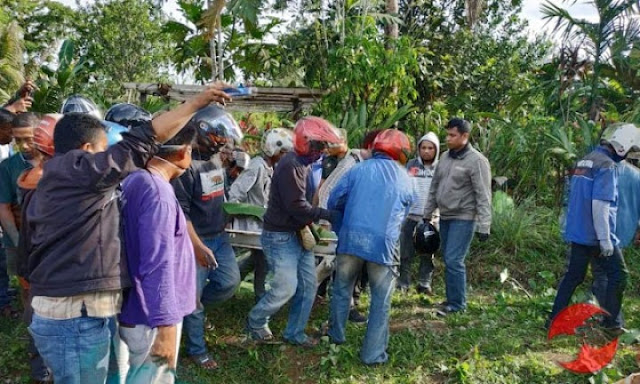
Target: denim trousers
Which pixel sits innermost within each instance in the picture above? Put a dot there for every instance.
(613, 267)
(407, 253)
(213, 286)
(599, 289)
(455, 239)
(257, 263)
(143, 369)
(4, 278)
(76, 350)
(381, 282)
(293, 277)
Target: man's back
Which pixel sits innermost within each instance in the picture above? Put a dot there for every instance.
(75, 222)
(378, 194)
(159, 253)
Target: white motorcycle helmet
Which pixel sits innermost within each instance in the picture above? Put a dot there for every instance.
(276, 140)
(623, 137)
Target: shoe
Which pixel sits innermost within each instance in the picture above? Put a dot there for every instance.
(309, 342)
(424, 290)
(356, 317)
(613, 333)
(402, 290)
(446, 311)
(442, 305)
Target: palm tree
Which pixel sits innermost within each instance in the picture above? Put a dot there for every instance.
(11, 66)
(600, 39)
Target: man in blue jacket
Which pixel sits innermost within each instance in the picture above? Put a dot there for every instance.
(591, 223)
(371, 236)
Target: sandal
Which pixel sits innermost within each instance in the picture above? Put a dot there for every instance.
(204, 361)
(262, 335)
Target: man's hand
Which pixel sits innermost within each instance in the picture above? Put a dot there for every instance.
(20, 105)
(27, 88)
(212, 94)
(163, 350)
(482, 237)
(606, 248)
(205, 257)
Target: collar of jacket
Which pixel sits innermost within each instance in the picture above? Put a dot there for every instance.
(612, 155)
(460, 154)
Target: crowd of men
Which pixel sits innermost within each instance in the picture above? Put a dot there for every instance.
(116, 230)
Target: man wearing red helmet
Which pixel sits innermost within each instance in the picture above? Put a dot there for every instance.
(27, 182)
(289, 212)
(369, 237)
(10, 169)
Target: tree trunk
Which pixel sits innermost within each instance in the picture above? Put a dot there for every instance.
(391, 29)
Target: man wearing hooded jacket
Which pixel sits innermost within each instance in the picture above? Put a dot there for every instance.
(421, 170)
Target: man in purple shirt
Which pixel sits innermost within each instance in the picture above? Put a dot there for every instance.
(161, 264)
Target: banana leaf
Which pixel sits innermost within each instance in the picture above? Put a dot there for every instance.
(242, 209)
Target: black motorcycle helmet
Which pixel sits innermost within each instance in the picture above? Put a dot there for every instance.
(80, 104)
(426, 238)
(127, 115)
(215, 128)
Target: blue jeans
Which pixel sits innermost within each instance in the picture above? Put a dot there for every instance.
(599, 289)
(213, 286)
(616, 272)
(381, 281)
(455, 239)
(407, 253)
(4, 278)
(293, 278)
(76, 350)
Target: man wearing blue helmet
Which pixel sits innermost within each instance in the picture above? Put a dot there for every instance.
(200, 191)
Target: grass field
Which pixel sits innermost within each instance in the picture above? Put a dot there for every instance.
(499, 339)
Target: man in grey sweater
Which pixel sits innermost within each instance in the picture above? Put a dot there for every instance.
(461, 189)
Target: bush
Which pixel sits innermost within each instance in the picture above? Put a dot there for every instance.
(525, 239)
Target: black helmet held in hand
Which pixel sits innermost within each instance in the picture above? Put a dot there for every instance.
(215, 129)
(426, 238)
(128, 115)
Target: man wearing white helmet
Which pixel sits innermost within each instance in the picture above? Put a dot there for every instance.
(252, 187)
(591, 223)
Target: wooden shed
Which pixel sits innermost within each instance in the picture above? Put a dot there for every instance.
(265, 99)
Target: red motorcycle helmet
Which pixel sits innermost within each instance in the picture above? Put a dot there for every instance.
(393, 143)
(312, 134)
(43, 134)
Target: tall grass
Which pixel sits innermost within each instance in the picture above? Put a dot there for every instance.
(525, 239)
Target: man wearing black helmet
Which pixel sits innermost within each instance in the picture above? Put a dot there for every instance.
(200, 191)
(128, 115)
(75, 267)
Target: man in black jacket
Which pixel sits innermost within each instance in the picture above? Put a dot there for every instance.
(75, 266)
(289, 212)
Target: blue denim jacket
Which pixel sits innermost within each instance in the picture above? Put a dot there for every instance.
(374, 197)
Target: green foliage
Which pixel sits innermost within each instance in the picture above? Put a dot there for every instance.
(122, 41)
(54, 85)
(11, 67)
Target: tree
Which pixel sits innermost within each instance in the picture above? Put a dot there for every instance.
(601, 39)
(122, 41)
(44, 24)
(11, 66)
